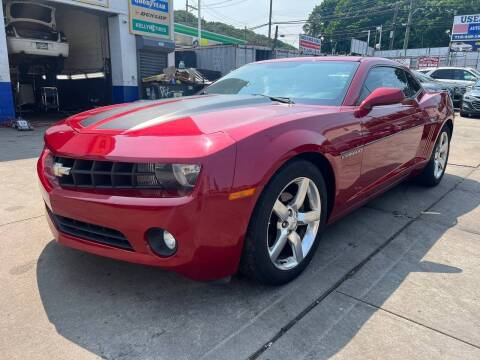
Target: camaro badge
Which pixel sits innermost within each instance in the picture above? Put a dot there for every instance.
(59, 170)
(351, 153)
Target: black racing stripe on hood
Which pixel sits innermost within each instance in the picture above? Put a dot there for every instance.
(183, 108)
(95, 119)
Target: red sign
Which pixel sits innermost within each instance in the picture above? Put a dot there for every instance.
(428, 62)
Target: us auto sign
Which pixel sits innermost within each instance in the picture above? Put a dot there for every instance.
(466, 33)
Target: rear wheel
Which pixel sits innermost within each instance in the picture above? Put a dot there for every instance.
(286, 225)
(435, 170)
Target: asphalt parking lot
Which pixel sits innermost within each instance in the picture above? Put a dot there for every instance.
(397, 279)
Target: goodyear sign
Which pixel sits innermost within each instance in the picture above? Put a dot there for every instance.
(151, 18)
(466, 33)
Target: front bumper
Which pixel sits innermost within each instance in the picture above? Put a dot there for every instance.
(208, 227)
(471, 107)
(29, 47)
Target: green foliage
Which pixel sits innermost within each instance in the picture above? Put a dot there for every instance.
(342, 20)
(186, 18)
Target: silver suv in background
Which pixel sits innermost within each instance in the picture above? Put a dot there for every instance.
(471, 101)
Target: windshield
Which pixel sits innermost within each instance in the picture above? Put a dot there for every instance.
(477, 85)
(475, 72)
(31, 11)
(308, 82)
(30, 30)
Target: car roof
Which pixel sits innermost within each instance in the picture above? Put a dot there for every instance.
(450, 67)
(376, 60)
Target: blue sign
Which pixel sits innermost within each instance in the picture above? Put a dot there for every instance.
(157, 5)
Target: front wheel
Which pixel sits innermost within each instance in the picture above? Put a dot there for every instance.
(287, 224)
(435, 170)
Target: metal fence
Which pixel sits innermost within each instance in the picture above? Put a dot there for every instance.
(445, 56)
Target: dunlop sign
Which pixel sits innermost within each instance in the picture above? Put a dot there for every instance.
(151, 18)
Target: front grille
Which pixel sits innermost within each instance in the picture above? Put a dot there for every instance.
(90, 232)
(476, 105)
(107, 174)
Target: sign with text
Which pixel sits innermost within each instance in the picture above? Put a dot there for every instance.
(404, 61)
(103, 3)
(465, 33)
(428, 62)
(151, 18)
(310, 45)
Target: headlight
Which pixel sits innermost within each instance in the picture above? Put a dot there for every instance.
(467, 97)
(167, 176)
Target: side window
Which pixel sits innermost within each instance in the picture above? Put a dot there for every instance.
(464, 75)
(413, 84)
(384, 76)
(443, 74)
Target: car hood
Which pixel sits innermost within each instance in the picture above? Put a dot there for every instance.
(474, 92)
(186, 116)
(179, 128)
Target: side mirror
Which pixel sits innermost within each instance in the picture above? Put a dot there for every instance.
(380, 96)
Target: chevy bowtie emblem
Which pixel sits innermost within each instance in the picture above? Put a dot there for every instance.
(59, 170)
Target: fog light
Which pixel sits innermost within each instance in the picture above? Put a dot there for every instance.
(169, 240)
(162, 242)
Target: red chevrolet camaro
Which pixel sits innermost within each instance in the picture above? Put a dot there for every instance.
(247, 174)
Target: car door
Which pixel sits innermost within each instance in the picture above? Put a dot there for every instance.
(392, 133)
(464, 75)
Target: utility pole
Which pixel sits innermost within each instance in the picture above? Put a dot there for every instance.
(394, 26)
(186, 6)
(199, 23)
(368, 41)
(270, 21)
(380, 28)
(409, 25)
(275, 39)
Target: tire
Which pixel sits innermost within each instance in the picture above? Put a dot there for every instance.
(430, 175)
(464, 114)
(263, 258)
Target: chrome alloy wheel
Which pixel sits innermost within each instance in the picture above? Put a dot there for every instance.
(294, 223)
(441, 155)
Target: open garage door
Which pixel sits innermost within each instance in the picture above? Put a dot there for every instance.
(68, 72)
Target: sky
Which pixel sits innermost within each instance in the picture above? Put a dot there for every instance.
(241, 13)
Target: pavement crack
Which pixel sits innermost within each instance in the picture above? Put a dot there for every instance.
(22, 220)
(408, 319)
(347, 276)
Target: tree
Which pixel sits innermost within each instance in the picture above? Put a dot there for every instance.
(343, 20)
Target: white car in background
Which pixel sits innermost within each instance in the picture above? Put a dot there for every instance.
(456, 75)
(31, 30)
(461, 47)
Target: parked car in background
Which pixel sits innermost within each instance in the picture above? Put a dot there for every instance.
(471, 101)
(433, 85)
(31, 31)
(247, 175)
(450, 74)
(461, 47)
(455, 91)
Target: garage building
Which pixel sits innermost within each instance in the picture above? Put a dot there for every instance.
(80, 53)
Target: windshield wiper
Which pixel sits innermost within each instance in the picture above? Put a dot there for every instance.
(280, 99)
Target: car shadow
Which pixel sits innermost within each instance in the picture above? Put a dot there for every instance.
(120, 310)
